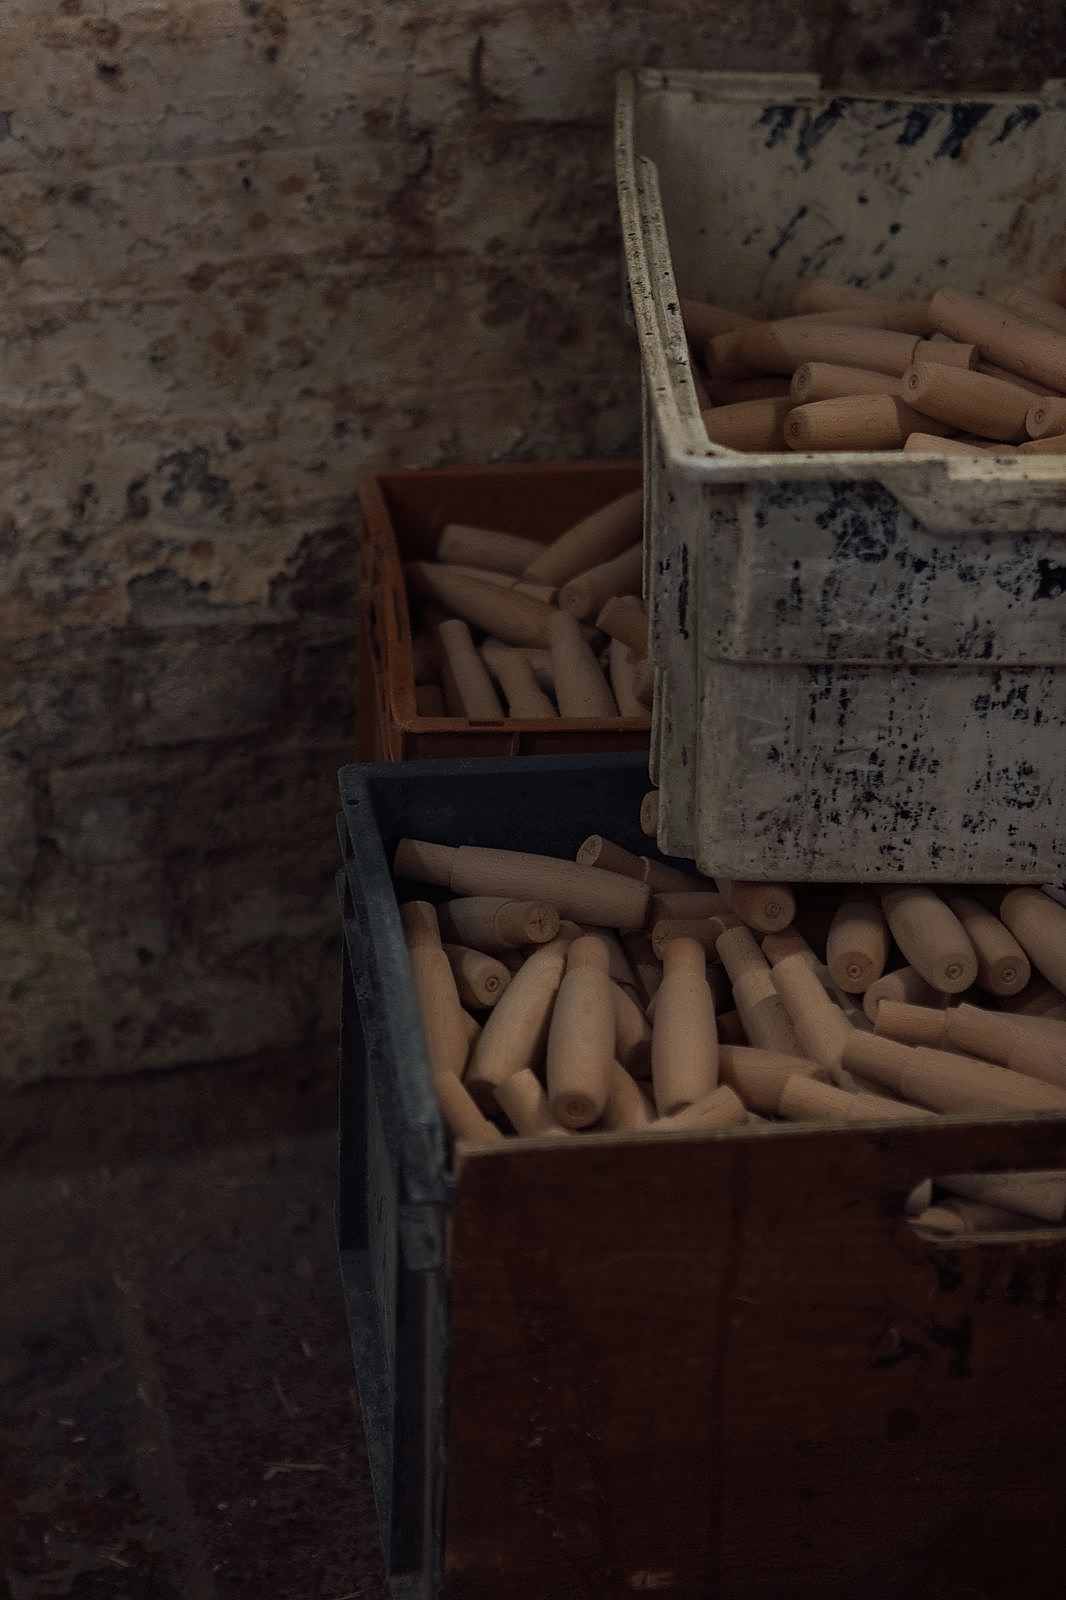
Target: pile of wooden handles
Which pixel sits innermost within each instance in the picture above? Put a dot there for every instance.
(561, 629)
(617, 993)
(957, 374)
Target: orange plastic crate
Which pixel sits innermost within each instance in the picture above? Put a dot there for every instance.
(403, 514)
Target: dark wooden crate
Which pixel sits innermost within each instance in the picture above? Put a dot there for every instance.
(713, 1365)
(403, 514)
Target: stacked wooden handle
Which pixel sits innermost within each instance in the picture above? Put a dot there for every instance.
(512, 628)
(617, 993)
(957, 374)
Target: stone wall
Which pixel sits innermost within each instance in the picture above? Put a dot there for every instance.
(247, 246)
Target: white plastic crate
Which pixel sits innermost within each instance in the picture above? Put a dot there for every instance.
(860, 658)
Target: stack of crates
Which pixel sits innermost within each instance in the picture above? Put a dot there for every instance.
(626, 1363)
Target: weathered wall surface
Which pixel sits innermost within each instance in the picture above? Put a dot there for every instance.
(245, 247)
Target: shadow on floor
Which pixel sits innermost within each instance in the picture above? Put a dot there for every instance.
(177, 1413)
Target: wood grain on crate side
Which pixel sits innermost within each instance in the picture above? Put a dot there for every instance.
(724, 1365)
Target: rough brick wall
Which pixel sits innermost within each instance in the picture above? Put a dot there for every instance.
(246, 246)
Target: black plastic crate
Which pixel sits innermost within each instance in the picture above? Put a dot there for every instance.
(588, 1366)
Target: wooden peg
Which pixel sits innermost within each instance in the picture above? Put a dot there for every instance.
(622, 671)
(820, 1027)
(581, 689)
(581, 1037)
(512, 617)
(684, 1045)
(492, 923)
(515, 1034)
(522, 1100)
(970, 402)
(1055, 445)
(1046, 419)
(857, 946)
(500, 580)
(783, 346)
(762, 1013)
(909, 1024)
(585, 894)
(1033, 306)
(632, 1033)
(1038, 390)
(776, 946)
(722, 1108)
(626, 621)
(468, 690)
(951, 1217)
(947, 1082)
(595, 539)
(924, 444)
(628, 1107)
(748, 424)
(484, 547)
(902, 984)
(859, 422)
(471, 1031)
(946, 353)
(1031, 1194)
(1035, 352)
(759, 1076)
(596, 851)
(702, 320)
(661, 878)
(619, 968)
(514, 673)
(645, 964)
(438, 998)
(704, 930)
(461, 1114)
(479, 979)
(931, 937)
(767, 907)
(821, 380)
(724, 359)
(1039, 925)
(1002, 965)
(590, 591)
(820, 295)
(803, 1099)
(1033, 1046)
(790, 942)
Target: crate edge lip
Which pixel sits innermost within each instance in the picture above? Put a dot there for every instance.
(726, 85)
(411, 1111)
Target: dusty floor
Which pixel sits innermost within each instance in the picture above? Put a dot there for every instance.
(177, 1415)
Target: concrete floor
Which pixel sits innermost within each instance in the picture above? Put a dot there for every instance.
(177, 1413)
